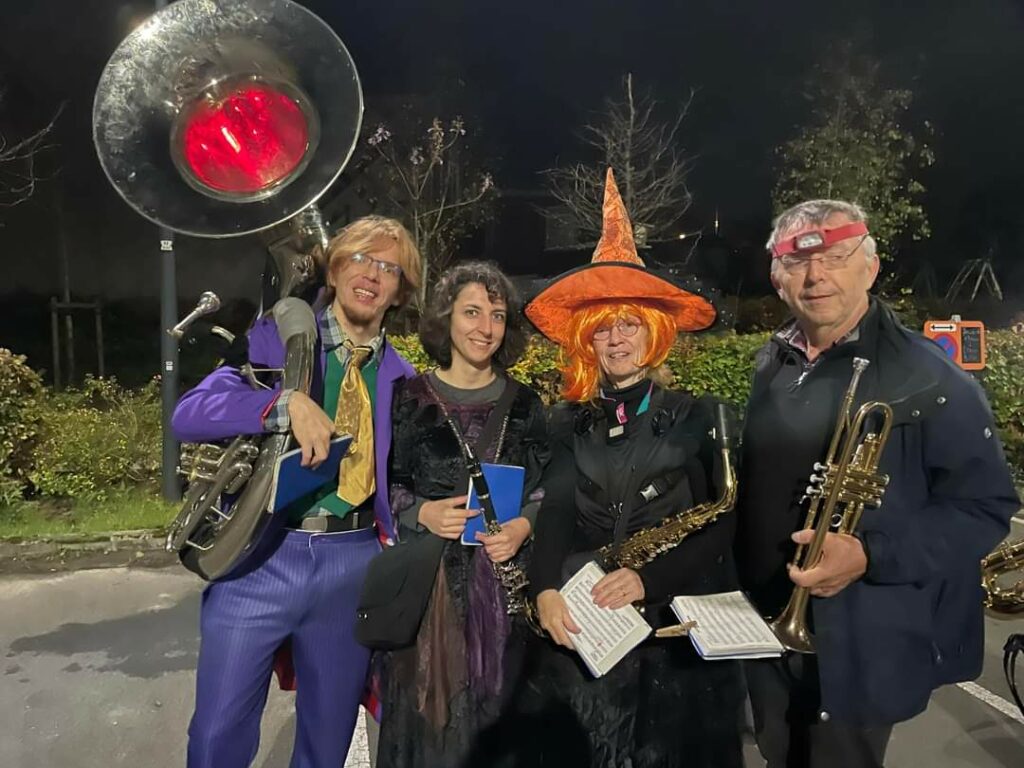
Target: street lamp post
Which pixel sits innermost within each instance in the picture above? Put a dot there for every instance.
(170, 484)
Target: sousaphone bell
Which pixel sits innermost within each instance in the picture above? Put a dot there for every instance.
(219, 118)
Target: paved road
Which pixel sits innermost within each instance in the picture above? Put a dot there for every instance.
(98, 672)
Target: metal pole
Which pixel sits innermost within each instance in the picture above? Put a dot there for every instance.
(170, 484)
(101, 368)
(69, 323)
(55, 341)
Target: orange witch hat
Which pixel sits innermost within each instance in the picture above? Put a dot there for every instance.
(616, 273)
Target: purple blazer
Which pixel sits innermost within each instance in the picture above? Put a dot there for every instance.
(224, 405)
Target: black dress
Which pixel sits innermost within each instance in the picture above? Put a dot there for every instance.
(437, 696)
(662, 705)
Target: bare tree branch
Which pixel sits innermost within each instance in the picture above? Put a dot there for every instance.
(18, 174)
(436, 187)
(646, 154)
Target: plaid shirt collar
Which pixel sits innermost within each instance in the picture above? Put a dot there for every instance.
(332, 336)
(791, 334)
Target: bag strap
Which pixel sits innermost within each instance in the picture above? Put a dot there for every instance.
(471, 465)
(498, 419)
(1013, 648)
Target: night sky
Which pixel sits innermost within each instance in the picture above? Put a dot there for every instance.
(531, 72)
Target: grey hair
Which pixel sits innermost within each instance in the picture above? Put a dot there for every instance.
(813, 213)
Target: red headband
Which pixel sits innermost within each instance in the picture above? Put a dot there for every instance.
(817, 238)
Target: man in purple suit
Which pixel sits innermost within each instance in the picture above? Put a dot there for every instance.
(306, 589)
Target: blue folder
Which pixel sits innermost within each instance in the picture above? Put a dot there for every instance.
(505, 482)
(293, 481)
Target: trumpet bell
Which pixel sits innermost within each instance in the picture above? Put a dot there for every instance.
(218, 118)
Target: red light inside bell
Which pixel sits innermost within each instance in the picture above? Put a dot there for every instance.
(245, 142)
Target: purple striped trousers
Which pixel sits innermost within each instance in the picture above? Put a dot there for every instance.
(306, 590)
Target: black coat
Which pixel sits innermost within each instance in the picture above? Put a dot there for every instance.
(914, 621)
(427, 463)
(661, 706)
(582, 493)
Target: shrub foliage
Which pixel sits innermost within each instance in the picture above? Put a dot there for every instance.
(85, 442)
(21, 397)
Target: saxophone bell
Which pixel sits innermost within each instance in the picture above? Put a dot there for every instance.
(1002, 577)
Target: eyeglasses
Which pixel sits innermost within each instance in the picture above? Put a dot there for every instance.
(387, 267)
(796, 262)
(625, 326)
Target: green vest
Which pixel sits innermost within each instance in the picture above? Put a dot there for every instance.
(326, 496)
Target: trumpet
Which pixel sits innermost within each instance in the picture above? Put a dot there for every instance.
(840, 488)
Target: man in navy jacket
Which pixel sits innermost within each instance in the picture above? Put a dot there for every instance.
(896, 608)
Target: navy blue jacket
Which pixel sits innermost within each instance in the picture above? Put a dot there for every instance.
(914, 621)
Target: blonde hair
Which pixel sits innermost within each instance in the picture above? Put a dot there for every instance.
(359, 236)
(581, 371)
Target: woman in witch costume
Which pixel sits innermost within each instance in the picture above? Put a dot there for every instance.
(440, 693)
(619, 435)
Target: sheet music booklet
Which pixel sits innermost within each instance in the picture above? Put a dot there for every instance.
(728, 627)
(606, 635)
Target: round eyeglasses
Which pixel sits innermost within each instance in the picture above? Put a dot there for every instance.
(625, 326)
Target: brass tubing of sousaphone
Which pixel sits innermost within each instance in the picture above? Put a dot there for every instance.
(196, 54)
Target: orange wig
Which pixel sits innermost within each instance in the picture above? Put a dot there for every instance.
(580, 369)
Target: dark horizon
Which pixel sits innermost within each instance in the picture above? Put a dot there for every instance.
(530, 75)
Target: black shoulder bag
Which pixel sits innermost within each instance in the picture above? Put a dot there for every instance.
(400, 579)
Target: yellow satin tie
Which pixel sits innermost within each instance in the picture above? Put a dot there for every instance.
(355, 417)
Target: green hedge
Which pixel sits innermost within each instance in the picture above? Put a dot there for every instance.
(721, 364)
(83, 443)
(1003, 380)
(724, 365)
(98, 438)
(21, 391)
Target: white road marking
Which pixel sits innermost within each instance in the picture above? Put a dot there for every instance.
(996, 702)
(359, 751)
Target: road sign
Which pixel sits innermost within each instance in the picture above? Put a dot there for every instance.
(962, 340)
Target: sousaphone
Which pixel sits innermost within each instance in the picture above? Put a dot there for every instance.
(219, 118)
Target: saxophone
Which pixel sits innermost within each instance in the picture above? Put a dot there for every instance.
(645, 545)
(1005, 560)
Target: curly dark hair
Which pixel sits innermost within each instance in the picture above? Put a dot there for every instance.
(436, 321)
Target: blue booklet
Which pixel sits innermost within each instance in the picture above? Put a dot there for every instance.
(506, 484)
(293, 481)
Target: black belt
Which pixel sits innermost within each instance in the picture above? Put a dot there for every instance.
(353, 521)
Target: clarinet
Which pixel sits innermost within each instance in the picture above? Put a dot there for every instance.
(510, 575)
